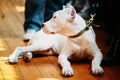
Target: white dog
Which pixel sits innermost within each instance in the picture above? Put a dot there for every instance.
(60, 36)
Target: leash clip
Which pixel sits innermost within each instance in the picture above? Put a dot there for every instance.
(92, 17)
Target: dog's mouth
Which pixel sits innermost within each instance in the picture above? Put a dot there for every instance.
(47, 31)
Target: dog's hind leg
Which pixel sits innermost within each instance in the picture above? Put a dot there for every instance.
(27, 57)
(13, 58)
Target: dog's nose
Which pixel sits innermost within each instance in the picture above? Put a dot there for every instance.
(42, 25)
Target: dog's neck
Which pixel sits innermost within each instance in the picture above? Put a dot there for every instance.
(80, 33)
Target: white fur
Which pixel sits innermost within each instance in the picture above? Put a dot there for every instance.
(63, 24)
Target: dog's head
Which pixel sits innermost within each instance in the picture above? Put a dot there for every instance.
(65, 22)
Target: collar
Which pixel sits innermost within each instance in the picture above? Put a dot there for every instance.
(80, 33)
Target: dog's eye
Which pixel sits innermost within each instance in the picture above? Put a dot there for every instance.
(54, 17)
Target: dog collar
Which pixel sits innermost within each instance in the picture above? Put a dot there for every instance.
(81, 32)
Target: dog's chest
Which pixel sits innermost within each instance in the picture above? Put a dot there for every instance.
(78, 55)
(80, 49)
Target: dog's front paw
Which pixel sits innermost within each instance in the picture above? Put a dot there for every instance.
(12, 59)
(67, 71)
(97, 70)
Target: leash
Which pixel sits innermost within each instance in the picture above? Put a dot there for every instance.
(88, 23)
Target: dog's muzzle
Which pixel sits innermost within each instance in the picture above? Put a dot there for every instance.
(45, 30)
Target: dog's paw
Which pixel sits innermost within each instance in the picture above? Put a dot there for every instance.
(27, 57)
(67, 72)
(97, 70)
(12, 59)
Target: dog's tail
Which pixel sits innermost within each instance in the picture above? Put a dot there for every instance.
(6, 58)
(3, 58)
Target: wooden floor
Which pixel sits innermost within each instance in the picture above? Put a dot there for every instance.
(42, 67)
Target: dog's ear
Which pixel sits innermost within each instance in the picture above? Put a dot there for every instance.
(72, 12)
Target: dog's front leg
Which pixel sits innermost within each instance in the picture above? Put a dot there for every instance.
(65, 64)
(96, 68)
